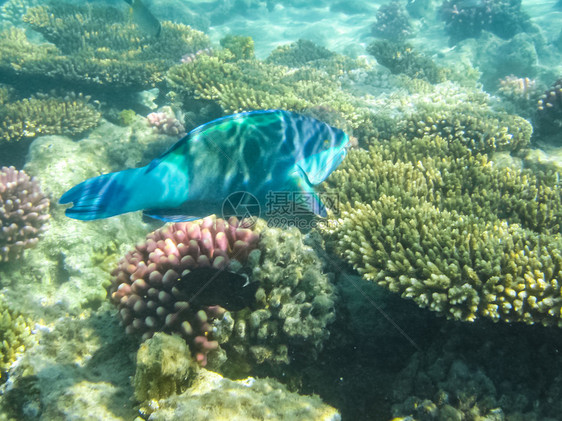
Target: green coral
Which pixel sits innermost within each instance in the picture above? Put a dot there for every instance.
(457, 265)
(42, 115)
(244, 85)
(15, 331)
(93, 48)
(164, 367)
(443, 225)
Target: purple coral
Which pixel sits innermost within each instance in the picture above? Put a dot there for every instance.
(166, 123)
(143, 284)
(23, 212)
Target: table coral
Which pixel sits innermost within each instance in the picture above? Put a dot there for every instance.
(23, 213)
(94, 48)
(244, 85)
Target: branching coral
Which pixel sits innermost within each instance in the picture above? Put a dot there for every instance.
(15, 331)
(23, 212)
(43, 115)
(458, 265)
(244, 85)
(442, 225)
(94, 48)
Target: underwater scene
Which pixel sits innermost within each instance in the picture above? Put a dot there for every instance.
(281, 210)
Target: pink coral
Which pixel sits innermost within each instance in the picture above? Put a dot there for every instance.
(143, 284)
(166, 123)
(23, 212)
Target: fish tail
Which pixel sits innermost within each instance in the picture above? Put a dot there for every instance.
(109, 194)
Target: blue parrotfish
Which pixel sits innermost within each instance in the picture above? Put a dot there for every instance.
(257, 152)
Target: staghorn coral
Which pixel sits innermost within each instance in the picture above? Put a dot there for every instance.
(44, 115)
(477, 127)
(549, 110)
(392, 22)
(23, 213)
(299, 54)
(293, 305)
(241, 47)
(94, 49)
(400, 58)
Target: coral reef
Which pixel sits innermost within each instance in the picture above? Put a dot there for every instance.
(212, 396)
(143, 285)
(549, 110)
(293, 305)
(517, 87)
(245, 85)
(400, 58)
(465, 19)
(299, 54)
(392, 22)
(94, 50)
(15, 331)
(23, 213)
(45, 115)
(241, 47)
(165, 122)
(164, 368)
(440, 224)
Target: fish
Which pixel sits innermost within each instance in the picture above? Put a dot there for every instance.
(144, 18)
(208, 286)
(255, 153)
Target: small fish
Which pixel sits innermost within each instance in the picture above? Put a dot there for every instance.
(144, 19)
(257, 153)
(207, 286)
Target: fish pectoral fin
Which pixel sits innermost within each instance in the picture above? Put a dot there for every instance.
(169, 215)
(307, 198)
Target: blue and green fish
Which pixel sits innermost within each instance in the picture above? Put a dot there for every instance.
(257, 152)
